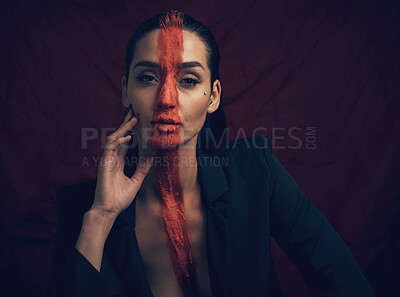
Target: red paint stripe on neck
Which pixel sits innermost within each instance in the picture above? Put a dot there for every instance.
(170, 50)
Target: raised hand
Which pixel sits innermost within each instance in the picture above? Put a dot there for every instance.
(115, 191)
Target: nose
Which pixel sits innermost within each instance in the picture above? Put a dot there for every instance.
(167, 97)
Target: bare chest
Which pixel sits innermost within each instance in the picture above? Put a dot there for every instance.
(152, 241)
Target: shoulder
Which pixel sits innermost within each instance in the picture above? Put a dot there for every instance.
(250, 152)
(86, 186)
(74, 200)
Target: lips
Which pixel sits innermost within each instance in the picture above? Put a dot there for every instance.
(166, 125)
(165, 122)
(171, 118)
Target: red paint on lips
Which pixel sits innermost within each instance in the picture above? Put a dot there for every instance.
(165, 125)
(166, 134)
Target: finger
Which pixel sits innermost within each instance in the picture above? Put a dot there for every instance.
(141, 171)
(130, 119)
(113, 145)
(117, 146)
(128, 115)
(123, 147)
(114, 154)
(122, 131)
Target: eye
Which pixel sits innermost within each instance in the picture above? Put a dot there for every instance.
(189, 81)
(146, 78)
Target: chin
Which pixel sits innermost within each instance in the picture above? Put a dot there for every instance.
(165, 141)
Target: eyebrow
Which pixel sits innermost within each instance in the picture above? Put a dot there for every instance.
(183, 65)
(191, 64)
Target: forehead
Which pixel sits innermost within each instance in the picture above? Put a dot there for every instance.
(193, 48)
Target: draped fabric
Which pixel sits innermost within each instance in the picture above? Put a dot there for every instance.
(320, 78)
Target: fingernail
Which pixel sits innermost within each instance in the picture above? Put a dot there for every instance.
(128, 109)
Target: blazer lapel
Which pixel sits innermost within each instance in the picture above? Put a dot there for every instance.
(126, 255)
(231, 243)
(213, 186)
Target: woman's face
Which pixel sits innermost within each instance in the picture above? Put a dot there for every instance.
(172, 100)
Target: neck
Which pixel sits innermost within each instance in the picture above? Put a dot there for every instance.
(181, 159)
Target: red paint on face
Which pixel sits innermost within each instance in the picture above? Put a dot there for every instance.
(166, 121)
(167, 124)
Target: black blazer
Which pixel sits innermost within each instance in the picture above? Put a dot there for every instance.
(249, 198)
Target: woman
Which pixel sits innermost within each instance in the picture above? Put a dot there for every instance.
(194, 215)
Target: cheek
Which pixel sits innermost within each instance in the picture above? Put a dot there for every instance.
(142, 99)
(193, 110)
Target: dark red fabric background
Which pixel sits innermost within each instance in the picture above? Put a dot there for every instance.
(286, 66)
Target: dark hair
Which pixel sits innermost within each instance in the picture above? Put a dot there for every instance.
(215, 124)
